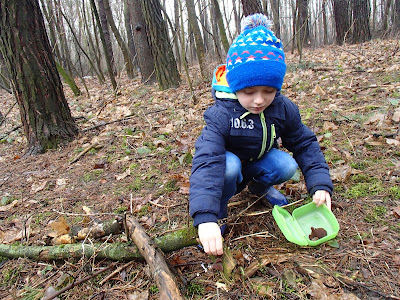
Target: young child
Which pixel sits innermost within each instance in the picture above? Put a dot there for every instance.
(238, 145)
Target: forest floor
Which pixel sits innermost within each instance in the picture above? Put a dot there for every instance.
(133, 155)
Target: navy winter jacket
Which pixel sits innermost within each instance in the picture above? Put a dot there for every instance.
(229, 127)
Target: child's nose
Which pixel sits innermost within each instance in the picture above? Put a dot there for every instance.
(258, 99)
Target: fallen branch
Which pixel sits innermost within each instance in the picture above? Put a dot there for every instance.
(162, 275)
(75, 283)
(93, 145)
(98, 230)
(117, 251)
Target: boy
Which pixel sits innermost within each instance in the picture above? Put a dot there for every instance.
(238, 145)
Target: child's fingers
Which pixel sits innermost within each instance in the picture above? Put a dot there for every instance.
(320, 197)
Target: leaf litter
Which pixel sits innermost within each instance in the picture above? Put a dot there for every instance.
(134, 155)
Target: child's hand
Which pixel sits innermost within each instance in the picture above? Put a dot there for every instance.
(322, 196)
(211, 238)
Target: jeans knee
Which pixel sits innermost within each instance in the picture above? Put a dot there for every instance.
(288, 168)
(233, 169)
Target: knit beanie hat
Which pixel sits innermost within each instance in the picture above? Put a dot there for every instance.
(256, 56)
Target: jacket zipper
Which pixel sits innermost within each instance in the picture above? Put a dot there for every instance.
(265, 135)
(273, 136)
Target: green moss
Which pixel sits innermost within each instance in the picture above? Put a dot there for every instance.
(153, 289)
(11, 275)
(144, 210)
(193, 289)
(375, 216)
(365, 189)
(120, 210)
(395, 192)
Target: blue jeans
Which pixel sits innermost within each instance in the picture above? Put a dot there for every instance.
(272, 168)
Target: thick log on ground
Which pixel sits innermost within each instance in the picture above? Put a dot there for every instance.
(162, 275)
(117, 251)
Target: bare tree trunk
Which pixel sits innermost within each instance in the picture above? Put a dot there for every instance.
(194, 26)
(325, 22)
(361, 12)
(221, 26)
(251, 7)
(342, 19)
(165, 64)
(236, 15)
(396, 23)
(129, 33)
(44, 111)
(120, 41)
(385, 25)
(64, 45)
(178, 28)
(105, 49)
(92, 46)
(106, 34)
(145, 57)
(275, 4)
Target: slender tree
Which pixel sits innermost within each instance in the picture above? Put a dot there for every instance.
(103, 42)
(194, 26)
(251, 7)
(221, 26)
(342, 19)
(396, 23)
(275, 4)
(361, 13)
(106, 33)
(165, 64)
(129, 33)
(125, 51)
(145, 57)
(44, 111)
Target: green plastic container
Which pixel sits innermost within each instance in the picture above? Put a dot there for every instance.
(297, 227)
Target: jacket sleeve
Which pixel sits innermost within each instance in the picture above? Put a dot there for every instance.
(207, 178)
(303, 143)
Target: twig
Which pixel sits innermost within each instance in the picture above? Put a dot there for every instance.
(260, 234)
(88, 148)
(75, 283)
(165, 206)
(5, 116)
(116, 272)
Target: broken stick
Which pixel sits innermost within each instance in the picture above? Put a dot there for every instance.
(162, 275)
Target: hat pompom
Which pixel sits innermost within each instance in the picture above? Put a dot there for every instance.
(254, 21)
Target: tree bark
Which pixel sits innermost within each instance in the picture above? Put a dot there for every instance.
(361, 13)
(104, 43)
(194, 26)
(129, 33)
(140, 32)
(162, 275)
(120, 41)
(396, 23)
(342, 20)
(275, 4)
(44, 111)
(164, 61)
(221, 26)
(106, 33)
(251, 7)
(115, 251)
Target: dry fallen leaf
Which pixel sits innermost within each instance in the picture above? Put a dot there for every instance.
(60, 227)
(123, 175)
(396, 212)
(38, 186)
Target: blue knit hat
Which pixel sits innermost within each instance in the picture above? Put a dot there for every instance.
(256, 56)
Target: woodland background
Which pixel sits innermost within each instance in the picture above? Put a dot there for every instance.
(102, 102)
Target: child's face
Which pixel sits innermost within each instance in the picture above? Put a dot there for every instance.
(256, 98)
